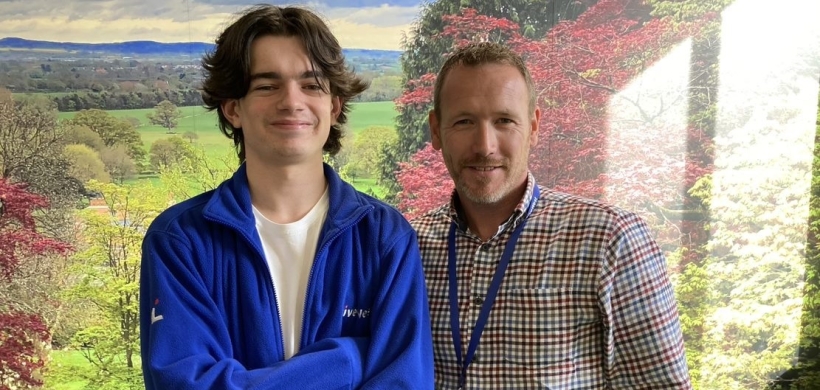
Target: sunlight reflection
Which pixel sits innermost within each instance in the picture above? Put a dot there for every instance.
(759, 205)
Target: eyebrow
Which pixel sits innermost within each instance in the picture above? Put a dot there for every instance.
(310, 74)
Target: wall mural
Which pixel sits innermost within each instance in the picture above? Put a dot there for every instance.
(700, 115)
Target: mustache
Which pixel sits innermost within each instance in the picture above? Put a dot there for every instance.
(484, 161)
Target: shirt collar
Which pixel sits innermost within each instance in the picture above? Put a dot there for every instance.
(456, 214)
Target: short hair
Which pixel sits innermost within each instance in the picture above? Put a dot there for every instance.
(482, 53)
(228, 67)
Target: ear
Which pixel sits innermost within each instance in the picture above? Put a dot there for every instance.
(534, 122)
(230, 110)
(335, 109)
(435, 130)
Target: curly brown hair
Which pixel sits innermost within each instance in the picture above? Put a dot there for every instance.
(227, 68)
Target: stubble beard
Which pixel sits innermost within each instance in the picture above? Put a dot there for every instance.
(481, 192)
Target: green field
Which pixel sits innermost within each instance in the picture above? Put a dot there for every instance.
(204, 124)
(65, 370)
(198, 120)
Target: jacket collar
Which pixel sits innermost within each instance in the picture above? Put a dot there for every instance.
(230, 204)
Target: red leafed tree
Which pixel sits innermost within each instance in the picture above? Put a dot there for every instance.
(425, 181)
(22, 334)
(577, 68)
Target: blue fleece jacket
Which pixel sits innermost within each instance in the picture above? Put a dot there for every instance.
(208, 311)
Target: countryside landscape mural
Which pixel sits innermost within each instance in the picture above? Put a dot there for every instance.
(699, 115)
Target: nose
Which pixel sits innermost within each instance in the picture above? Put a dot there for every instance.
(291, 97)
(485, 141)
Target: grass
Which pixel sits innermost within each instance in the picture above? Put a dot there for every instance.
(364, 115)
(369, 186)
(204, 124)
(194, 119)
(64, 370)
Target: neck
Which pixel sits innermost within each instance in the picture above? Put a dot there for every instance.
(285, 193)
(483, 219)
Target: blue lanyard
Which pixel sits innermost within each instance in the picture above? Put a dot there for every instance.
(484, 314)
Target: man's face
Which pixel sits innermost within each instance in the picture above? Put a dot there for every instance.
(485, 130)
(285, 116)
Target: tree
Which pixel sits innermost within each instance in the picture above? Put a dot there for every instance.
(169, 152)
(24, 336)
(31, 151)
(81, 135)
(367, 154)
(425, 183)
(107, 270)
(577, 68)
(190, 136)
(28, 133)
(165, 114)
(113, 131)
(118, 163)
(807, 370)
(426, 46)
(85, 164)
(199, 173)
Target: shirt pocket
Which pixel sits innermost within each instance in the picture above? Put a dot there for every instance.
(539, 331)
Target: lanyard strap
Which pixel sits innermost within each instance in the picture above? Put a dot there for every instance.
(484, 314)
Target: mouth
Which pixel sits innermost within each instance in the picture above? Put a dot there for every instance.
(484, 169)
(291, 123)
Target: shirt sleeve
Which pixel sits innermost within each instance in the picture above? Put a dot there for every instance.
(400, 354)
(192, 348)
(643, 339)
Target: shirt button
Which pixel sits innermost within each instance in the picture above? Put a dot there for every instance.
(477, 300)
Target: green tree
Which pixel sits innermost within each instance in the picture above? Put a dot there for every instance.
(107, 271)
(702, 119)
(165, 114)
(806, 372)
(85, 164)
(81, 135)
(199, 173)
(31, 152)
(169, 151)
(367, 154)
(113, 131)
(190, 136)
(118, 163)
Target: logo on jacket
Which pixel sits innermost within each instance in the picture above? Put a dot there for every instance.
(356, 313)
(154, 316)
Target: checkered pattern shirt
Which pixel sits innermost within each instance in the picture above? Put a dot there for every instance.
(585, 302)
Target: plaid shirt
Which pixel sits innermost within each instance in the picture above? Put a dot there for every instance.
(585, 302)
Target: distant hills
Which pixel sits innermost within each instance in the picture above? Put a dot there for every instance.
(149, 48)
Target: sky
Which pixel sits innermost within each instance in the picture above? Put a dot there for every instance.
(364, 24)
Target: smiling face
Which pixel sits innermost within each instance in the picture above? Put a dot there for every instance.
(484, 130)
(286, 114)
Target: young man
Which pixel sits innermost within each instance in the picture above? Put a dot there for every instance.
(284, 276)
(531, 288)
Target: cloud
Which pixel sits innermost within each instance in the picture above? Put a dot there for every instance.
(382, 16)
(98, 21)
(336, 3)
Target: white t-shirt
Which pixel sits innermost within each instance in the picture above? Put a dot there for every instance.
(289, 250)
